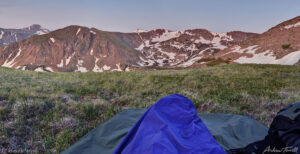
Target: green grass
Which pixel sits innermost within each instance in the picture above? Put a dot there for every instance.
(51, 111)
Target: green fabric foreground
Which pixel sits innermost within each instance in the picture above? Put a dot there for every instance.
(230, 131)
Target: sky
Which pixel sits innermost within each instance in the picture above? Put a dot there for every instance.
(129, 15)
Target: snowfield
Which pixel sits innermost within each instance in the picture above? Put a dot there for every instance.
(155, 54)
(265, 58)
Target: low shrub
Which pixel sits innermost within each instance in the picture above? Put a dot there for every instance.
(285, 46)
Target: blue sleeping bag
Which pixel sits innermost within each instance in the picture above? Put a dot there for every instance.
(170, 126)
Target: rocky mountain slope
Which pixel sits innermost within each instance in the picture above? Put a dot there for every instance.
(8, 36)
(166, 48)
(73, 48)
(278, 45)
(83, 49)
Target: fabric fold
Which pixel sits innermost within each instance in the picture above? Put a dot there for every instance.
(170, 126)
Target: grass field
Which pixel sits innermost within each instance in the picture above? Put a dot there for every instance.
(51, 111)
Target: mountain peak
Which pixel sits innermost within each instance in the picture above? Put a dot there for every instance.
(33, 27)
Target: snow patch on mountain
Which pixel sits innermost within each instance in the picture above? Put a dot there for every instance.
(251, 49)
(118, 67)
(190, 62)
(170, 55)
(106, 68)
(52, 40)
(69, 58)
(49, 69)
(127, 69)
(141, 31)
(1, 35)
(78, 31)
(145, 62)
(202, 40)
(266, 58)
(92, 51)
(80, 68)
(177, 45)
(93, 32)
(100, 69)
(192, 48)
(189, 33)
(218, 37)
(61, 64)
(39, 69)
(157, 51)
(16, 38)
(292, 25)
(10, 63)
(42, 31)
(167, 35)
(96, 67)
(21, 67)
(143, 45)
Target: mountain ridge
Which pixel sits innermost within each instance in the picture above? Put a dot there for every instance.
(82, 49)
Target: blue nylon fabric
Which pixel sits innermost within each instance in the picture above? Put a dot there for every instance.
(170, 126)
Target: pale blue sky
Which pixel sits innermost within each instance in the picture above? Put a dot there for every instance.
(128, 15)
